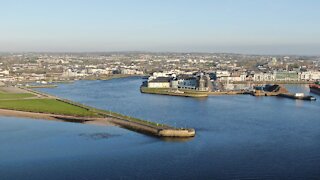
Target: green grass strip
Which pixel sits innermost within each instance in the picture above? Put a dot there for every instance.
(51, 106)
(15, 95)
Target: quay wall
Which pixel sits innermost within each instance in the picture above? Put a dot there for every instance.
(167, 92)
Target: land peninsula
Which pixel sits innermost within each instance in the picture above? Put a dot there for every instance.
(23, 102)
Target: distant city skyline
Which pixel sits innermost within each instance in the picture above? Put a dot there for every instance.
(245, 26)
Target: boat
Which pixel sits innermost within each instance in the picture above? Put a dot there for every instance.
(299, 96)
(145, 77)
(315, 88)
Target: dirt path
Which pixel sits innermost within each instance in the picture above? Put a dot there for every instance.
(12, 89)
(85, 120)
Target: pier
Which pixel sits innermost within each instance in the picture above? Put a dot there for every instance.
(128, 122)
(135, 124)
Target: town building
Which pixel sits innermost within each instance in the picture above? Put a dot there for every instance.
(199, 82)
(263, 77)
(160, 82)
(310, 75)
(286, 76)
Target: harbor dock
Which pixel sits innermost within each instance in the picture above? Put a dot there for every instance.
(268, 90)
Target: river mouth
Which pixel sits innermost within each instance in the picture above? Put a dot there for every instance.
(237, 137)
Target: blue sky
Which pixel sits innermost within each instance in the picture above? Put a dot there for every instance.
(240, 26)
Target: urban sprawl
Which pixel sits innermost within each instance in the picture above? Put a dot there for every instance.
(165, 70)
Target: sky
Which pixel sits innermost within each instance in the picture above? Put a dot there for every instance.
(233, 26)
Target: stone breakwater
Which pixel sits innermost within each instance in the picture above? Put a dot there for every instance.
(159, 131)
(131, 123)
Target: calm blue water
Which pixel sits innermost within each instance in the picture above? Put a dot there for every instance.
(238, 137)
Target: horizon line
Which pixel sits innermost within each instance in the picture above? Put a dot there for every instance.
(154, 52)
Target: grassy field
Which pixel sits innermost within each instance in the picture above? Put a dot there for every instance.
(4, 95)
(51, 106)
(17, 101)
